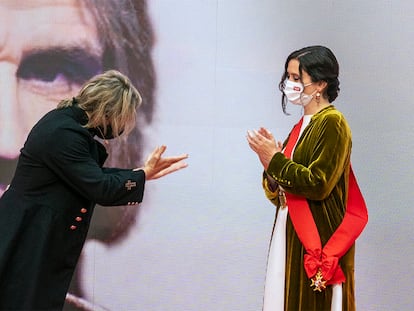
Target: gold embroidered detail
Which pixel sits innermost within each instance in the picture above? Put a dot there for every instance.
(129, 184)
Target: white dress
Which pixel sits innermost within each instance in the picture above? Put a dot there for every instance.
(275, 276)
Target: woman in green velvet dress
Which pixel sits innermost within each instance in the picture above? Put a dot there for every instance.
(308, 178)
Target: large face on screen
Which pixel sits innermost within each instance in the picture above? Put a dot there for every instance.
(48, 49)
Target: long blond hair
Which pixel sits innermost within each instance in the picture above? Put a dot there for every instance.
(109, 99)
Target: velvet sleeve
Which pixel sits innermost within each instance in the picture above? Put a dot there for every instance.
(319, 158)
(272, 195)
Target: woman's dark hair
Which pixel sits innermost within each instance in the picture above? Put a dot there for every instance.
(320, 64)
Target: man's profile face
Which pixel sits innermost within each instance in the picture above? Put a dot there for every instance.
(48, 49)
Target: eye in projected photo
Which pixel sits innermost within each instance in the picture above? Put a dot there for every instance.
(48, 50)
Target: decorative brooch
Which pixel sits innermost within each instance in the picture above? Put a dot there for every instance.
(318, 282)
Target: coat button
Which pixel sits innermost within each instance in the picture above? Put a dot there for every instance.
(78, 219)
(73, 227)
(83, 210)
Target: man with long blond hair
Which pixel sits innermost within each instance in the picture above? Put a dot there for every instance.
(46, 212)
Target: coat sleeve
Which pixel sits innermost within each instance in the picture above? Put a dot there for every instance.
(324, 155)
(71, 160)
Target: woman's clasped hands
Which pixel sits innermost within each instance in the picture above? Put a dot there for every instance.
(264, 145)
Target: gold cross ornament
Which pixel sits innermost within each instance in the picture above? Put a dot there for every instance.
(318, 282)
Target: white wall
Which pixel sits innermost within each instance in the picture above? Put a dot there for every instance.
(202, 236)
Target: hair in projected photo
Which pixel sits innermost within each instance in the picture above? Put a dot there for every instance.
(115, 34)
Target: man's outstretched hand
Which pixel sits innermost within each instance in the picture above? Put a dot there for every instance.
(157, 166)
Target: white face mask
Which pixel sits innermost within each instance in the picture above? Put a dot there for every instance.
(294, 93)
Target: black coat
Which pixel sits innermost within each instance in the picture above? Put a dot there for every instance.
(45, 214)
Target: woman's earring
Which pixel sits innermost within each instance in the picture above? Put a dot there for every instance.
(318, 97)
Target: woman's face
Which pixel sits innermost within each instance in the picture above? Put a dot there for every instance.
(48, 49)
(293, 74)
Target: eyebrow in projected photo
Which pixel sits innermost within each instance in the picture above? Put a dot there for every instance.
(48, 49)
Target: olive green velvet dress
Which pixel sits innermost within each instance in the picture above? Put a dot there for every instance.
(319, 171)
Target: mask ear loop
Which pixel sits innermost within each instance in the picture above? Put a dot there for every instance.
(317, 95)
(304, 85)
(314, 93)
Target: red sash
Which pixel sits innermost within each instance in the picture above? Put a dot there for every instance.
(325, 260)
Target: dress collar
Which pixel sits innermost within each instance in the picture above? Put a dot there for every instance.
(330, 107)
